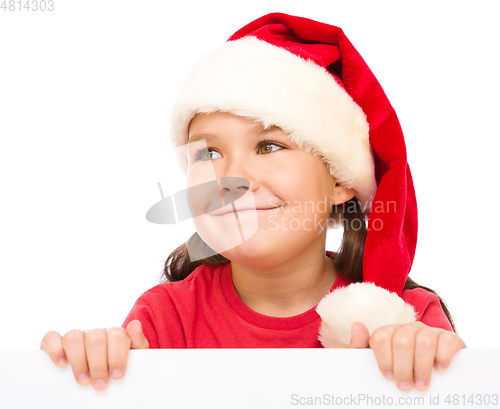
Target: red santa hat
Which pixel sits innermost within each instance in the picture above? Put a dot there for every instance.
(308, 79)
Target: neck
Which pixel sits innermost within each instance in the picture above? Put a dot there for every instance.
(290, 288)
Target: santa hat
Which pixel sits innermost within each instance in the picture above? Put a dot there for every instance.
(307, 78)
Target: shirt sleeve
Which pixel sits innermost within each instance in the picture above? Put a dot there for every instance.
(428, 308)
(143, 312)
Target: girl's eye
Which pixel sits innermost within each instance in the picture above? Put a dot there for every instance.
(204, 154)
(268, 143)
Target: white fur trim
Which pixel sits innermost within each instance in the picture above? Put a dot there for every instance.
(365, 302)
(251, 78)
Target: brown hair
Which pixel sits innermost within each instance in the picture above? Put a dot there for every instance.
(348, 260)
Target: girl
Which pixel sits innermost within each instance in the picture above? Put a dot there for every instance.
(297, 134)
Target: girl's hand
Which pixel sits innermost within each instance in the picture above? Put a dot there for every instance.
(407, 353)
(95, 354)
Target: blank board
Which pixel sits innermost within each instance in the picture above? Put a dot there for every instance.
(246, 378)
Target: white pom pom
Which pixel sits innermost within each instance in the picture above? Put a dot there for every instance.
(364, 302)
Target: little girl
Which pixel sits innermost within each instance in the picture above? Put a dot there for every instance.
(298, 136)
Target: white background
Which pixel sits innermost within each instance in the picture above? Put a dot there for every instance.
(85, 98)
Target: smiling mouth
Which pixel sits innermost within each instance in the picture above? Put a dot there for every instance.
(245, 211)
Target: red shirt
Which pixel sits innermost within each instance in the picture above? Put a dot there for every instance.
(205, 311)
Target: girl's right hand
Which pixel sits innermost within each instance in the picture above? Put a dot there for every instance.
(95, 354)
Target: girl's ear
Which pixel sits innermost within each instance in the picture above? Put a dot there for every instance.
(342, 194)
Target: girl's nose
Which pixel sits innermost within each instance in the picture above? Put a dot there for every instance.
(237, 180)
(233, 187)
(233, 183)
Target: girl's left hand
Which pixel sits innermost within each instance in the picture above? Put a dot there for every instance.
(406, 353)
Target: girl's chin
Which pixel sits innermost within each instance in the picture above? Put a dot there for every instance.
(246, 240)
(258, 247)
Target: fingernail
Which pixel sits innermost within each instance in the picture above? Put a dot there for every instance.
(116, 374)
(62, 361)
(420, 384)
(439, 367)
(83, 377)
(388, 374)
(99, 384)
(404, 385)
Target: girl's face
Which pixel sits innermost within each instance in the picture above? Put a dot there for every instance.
(292, 185)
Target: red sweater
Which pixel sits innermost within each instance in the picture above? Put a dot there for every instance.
(205, 311)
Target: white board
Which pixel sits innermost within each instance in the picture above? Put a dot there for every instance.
(246, 378)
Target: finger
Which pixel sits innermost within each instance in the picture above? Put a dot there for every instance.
(118, 347)
(403, 355)
(52, 344)
(97, 356)
(74, 347)
(448, 344)
(425, 353)
(359, 336)
(134, 330)
(381, 344)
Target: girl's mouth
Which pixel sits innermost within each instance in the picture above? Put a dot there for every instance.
(244, 211)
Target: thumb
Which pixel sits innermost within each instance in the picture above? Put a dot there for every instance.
(359, 336)
(134, 331)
